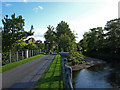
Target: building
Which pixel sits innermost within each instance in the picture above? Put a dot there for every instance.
(30, 40)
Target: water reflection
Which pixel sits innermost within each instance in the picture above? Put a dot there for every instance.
(100, 76)
(114, 76)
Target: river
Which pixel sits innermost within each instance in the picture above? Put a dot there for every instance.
(99, 76)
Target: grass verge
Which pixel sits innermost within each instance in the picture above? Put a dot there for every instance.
(51, 78)
(18, 63)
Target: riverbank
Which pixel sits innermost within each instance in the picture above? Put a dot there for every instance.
(89, 62)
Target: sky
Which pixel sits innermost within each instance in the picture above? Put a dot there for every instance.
(81, 15)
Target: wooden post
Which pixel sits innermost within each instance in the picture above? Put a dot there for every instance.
(17, 55)
(32, 52)
(22, 55)
(36, 52)
(26, 53)
(39, 51)
(10, 56)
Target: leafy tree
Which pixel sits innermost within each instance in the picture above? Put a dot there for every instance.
(63, 38)
(64, 42)
(103, 43)
(13, 30)
(92, 40)
(31, 46)
(50, 37)
(63, 28)
(19, 45)
(62, 31)
(112, 35)
(40, 45)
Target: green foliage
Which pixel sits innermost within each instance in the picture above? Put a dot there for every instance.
(31, 46)
(13, 30)
(76, 58)
(19, 45)
(40, 45)
(63, 38)
(50, 37)
(103, 43)
(63, 28)
(64, 42)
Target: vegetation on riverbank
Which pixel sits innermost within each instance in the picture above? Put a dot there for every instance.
(52, 76)
(18, 63)
(103, 43)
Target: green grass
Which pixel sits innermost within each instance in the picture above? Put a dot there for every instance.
(18, 63)
(51, 78)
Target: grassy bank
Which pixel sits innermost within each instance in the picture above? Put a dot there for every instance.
(18, 63)
(52, 76)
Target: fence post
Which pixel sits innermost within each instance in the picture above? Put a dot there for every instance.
(10, 56)
(17, 55)
(32, 52)
(26, 53)
(36, 52)
(22, 55)
(39, 51)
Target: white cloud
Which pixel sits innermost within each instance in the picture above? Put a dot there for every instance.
(38, 8)
(7, 5)
(39, 34)
(24, 0)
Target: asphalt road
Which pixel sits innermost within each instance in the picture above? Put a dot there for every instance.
(26, 75)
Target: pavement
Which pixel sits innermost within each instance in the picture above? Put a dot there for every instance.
(26, 75)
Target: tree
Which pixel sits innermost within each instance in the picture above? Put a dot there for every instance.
(19, 45)
(50, 38)
(103, 43)
(112, 35)
(92, 40)
(31, 46)
(13, 30)
(63, 29)
(40, 45)
(64, 42)
(63, 38)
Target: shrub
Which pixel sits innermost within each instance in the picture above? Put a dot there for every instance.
(76, 58)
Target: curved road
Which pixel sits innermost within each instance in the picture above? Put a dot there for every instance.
(26, 75)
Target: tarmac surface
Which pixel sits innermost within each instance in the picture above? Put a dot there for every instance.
(26, 75)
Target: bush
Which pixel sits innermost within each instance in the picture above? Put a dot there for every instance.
(31, 46)
(76, 58)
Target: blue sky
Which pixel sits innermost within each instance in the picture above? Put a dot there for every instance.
(81, 16)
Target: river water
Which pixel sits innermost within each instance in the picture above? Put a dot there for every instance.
(99, 76)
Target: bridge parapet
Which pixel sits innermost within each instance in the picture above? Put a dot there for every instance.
(66, 71)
